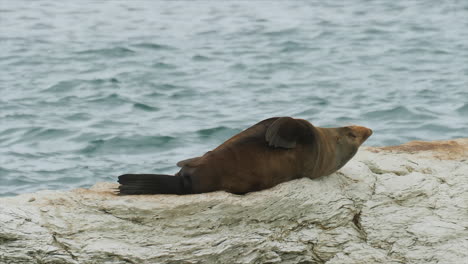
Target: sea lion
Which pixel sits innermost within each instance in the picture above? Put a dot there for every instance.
(273, 151)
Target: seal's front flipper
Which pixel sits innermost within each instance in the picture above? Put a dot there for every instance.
(285, 132)
(153, 184)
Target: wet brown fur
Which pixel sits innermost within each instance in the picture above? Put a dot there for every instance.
(257, 158)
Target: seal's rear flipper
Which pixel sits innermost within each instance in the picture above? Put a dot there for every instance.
(153, 184)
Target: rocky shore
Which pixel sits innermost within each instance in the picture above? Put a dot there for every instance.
(399, 204)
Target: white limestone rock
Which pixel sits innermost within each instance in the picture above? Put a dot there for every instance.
(402, 204)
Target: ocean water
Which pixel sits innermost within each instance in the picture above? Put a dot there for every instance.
(93, 89)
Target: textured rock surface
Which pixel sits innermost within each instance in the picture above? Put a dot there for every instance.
(403, 204)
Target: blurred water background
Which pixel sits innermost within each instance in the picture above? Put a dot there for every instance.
(93, 89)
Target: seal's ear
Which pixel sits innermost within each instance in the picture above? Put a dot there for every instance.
(284, 132)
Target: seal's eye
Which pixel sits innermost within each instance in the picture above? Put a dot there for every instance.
(352, 135)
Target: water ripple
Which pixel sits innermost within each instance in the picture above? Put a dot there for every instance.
(91, 91)
(145, 107)
(128, 145)
(219, 133)
(399, 112)
(108, 52)
(154, 46)
(463, 109)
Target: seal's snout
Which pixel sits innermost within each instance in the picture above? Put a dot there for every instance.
(363, 132)
(367, 134)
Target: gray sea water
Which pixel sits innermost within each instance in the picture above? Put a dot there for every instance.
(93, 89)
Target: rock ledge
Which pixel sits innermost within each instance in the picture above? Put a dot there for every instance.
(400, 204)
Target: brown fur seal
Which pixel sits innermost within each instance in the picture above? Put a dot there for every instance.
(273, 151)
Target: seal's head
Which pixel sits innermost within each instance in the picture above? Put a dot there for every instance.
(348, 140)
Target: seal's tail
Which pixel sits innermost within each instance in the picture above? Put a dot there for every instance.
(152, 184)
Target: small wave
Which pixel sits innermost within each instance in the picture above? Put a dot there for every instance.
(70, 85)
(79, 117)
(7, 58)
(154, 46)
(39, 26)
(19, 180)
(200, 58)
(99, 81)
(33, 136)
(62, 180)
(42, 133)
(108, 52)
(145, 107)
(128, 145)
(269, 68)
(328, 84)
(186, 93)
(308, 112)
(107, 123)
(4, 172)
(169, 86)
(292, 46)
(415, 51)
(346, 120)
(64, 100)
(208, 32)
(238, 66)
(162, 90)
(463, 109)
(155, 94)
(427, 93)
(438, 129)
(422, 28)
(317, 101)
(19, 116)
(63, 86)
(2, 10)
(162, 65)
(398, 68)
(217, 133)
(28, 155)
(10, 133)
(441, 52)
(281, 33)
(399, 112)
(375, 31)
(110, 99)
